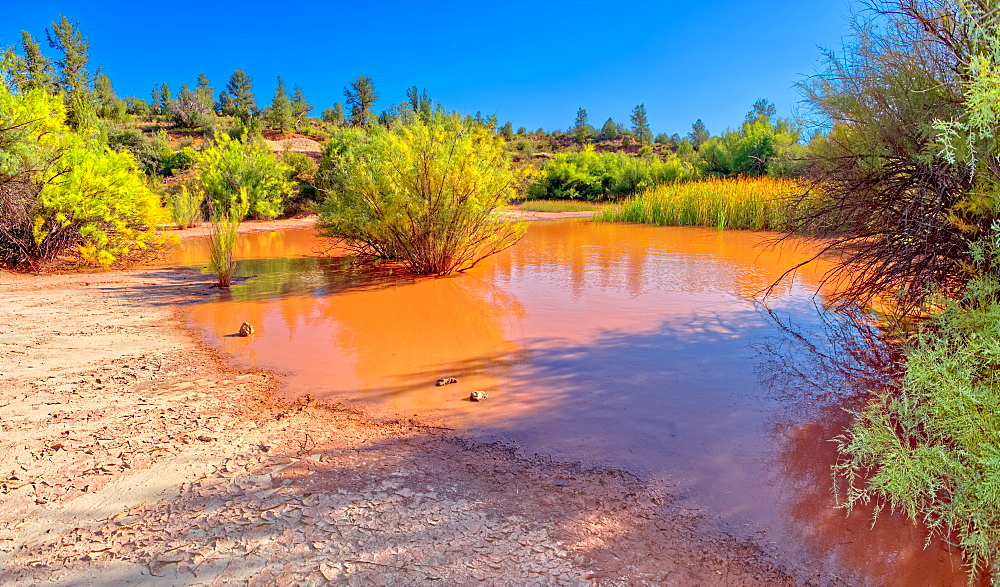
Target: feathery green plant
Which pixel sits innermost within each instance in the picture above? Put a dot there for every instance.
(225, 231)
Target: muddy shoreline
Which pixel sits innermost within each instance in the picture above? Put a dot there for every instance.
(134, 454)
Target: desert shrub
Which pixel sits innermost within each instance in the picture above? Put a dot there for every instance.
(428, 193)
(930, 447)
(302, 172)
(145, 150)
(63, 195)
(229, 166)
(180, 160)
(593, 176)
(185, 206)
(757, 204)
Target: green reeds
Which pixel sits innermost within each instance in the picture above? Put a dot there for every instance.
(743, 204)
(225, 230)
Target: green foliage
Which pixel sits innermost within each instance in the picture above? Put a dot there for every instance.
(109, 106)
(742, 204)
(30, 71)
(361, 96)
(145, 150)
(758, 148)
(559, 206)
(300, 107)
(582, 131)
(609, 131)
(640, 125)
(931, 447)
(185, 207)
(180, 160)
(334, 115)
(237, 99)
(63, 194)
(226, 215)
(699, 134)
(278, 115)
(230, 167)
(594, 176)
(302, 172)
(65, 37)
(189, 110)
(426, 193)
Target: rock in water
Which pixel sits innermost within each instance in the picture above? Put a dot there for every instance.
(478, 396)
(446, 381)
(246, 329)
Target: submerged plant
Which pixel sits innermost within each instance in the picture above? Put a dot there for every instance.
(225, 231)
(428, 193)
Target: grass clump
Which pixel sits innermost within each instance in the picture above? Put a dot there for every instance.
(225, 232)
(931, 447)
(559, 206)
(185, 207)
(755, 204)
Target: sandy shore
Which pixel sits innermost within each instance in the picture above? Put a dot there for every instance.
(131, 454)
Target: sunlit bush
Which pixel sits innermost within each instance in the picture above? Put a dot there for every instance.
(426, 193)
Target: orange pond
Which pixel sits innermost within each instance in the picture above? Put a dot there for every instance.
(628, 346)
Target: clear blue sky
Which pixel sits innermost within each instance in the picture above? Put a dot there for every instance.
(533, 63)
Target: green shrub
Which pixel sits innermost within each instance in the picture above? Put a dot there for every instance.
(428, 193)
(226, 216)
(229, 166)
(145, 149)
(64, 195)
(181, 160)
(593, 176)
(185, 207)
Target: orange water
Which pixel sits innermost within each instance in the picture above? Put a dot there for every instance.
(628, 346)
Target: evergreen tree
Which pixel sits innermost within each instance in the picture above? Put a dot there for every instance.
(610, 130)
(278, 115)
(65, 37)
(361, 96)
(699, 134)
(334, 115)
(762, 109)
(165, 96)
(108, 104)
(419, 103)
(300, 106)
(507, 130)
(189, 110)
(154, 99)
(238, 99)
(30, 71)
(205, 93)
(582, 131)
(640, 125)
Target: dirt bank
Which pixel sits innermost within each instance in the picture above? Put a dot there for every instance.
(131, 454)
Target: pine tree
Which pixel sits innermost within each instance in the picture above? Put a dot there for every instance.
(507, 130)
(108, 104)
(334, 115)
(762, 109)
(279, 114)
(640, 125)
(300, 106)
(165, 97)
(205, 93)
(361, 96)
(582, 131)
(610, 130)
(66, 38)
(37, 69)
(238, 99)
(699, 134)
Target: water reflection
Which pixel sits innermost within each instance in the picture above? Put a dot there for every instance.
(630, 346)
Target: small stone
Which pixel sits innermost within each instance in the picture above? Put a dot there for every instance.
(446, 381)
(246, 329)
(478, 396)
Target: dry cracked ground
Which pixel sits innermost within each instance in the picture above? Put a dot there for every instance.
(129, 454)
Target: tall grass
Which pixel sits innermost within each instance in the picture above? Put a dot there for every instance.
(750, 204)
(185, 207)
(225, 231)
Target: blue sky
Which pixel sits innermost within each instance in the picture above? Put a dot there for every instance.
(533, 63)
